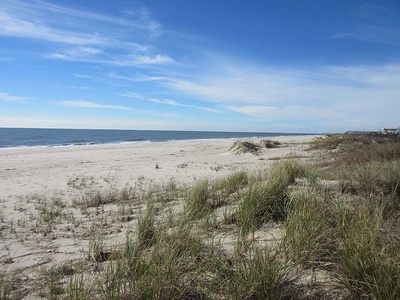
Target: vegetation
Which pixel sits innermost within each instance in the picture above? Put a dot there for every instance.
(338, 214)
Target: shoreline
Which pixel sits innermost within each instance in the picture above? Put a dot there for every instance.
(70, 145)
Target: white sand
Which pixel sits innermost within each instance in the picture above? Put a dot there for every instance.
(47, 170)
(30, 177)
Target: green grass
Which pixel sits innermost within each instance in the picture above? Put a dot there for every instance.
(98, 251)
(50, 211)
(310, 228)
(146, 229)
(196, 201)
(368, 259)
(267, 199)
(5, 288)
(78, 287)
(233, 182)
(168, 271)
(262, 275)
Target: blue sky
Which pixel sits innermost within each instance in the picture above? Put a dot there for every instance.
(226, 65)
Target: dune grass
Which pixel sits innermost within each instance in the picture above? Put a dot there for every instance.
(196, 201)
(5, 288)
(265, 275)
(267, 198)
(368, 258)
(310, 228)
(365, 250)
(339, 218)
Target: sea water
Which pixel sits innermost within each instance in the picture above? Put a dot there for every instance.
(33, 137)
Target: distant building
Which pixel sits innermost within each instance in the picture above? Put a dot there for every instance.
(362, 132)
(390, 130)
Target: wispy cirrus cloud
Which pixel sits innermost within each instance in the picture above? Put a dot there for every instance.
(137, 78)
(95, 105)
(376, 24)
(10, 98)
(255, 86)
(89, 104)
(72, 87)
(16, 25)
(84, 76)
(280, 113)
(51, 20)
(175, 103)
(83, 54)
(144, 21)
(365, 95)
(167, 102)
(122, 41)
(156, 59)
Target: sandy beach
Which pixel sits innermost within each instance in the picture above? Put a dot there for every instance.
(46, 171)
(35, 180)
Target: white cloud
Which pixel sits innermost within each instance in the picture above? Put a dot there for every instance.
(174, 103)
(157, 59)
(133, 95)
(49, 19)
(345, 97)
(10, 98)
(19, 27)
(88, 104)
(274, 113)
(122, 41)
(73, 87)
(138, 78)
(84, 76)
(341, 95)
(77, 54)
(167, 102)
(250, 85)
(145, 21)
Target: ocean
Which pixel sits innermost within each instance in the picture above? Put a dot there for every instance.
(33, 137)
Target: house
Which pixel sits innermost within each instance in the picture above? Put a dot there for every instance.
(390, 130)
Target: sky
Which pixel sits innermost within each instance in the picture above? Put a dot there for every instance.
(212, 65)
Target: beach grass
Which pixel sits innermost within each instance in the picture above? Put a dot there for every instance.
(310, 228)
(337, 213)
(367, 258)
(262, 274)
